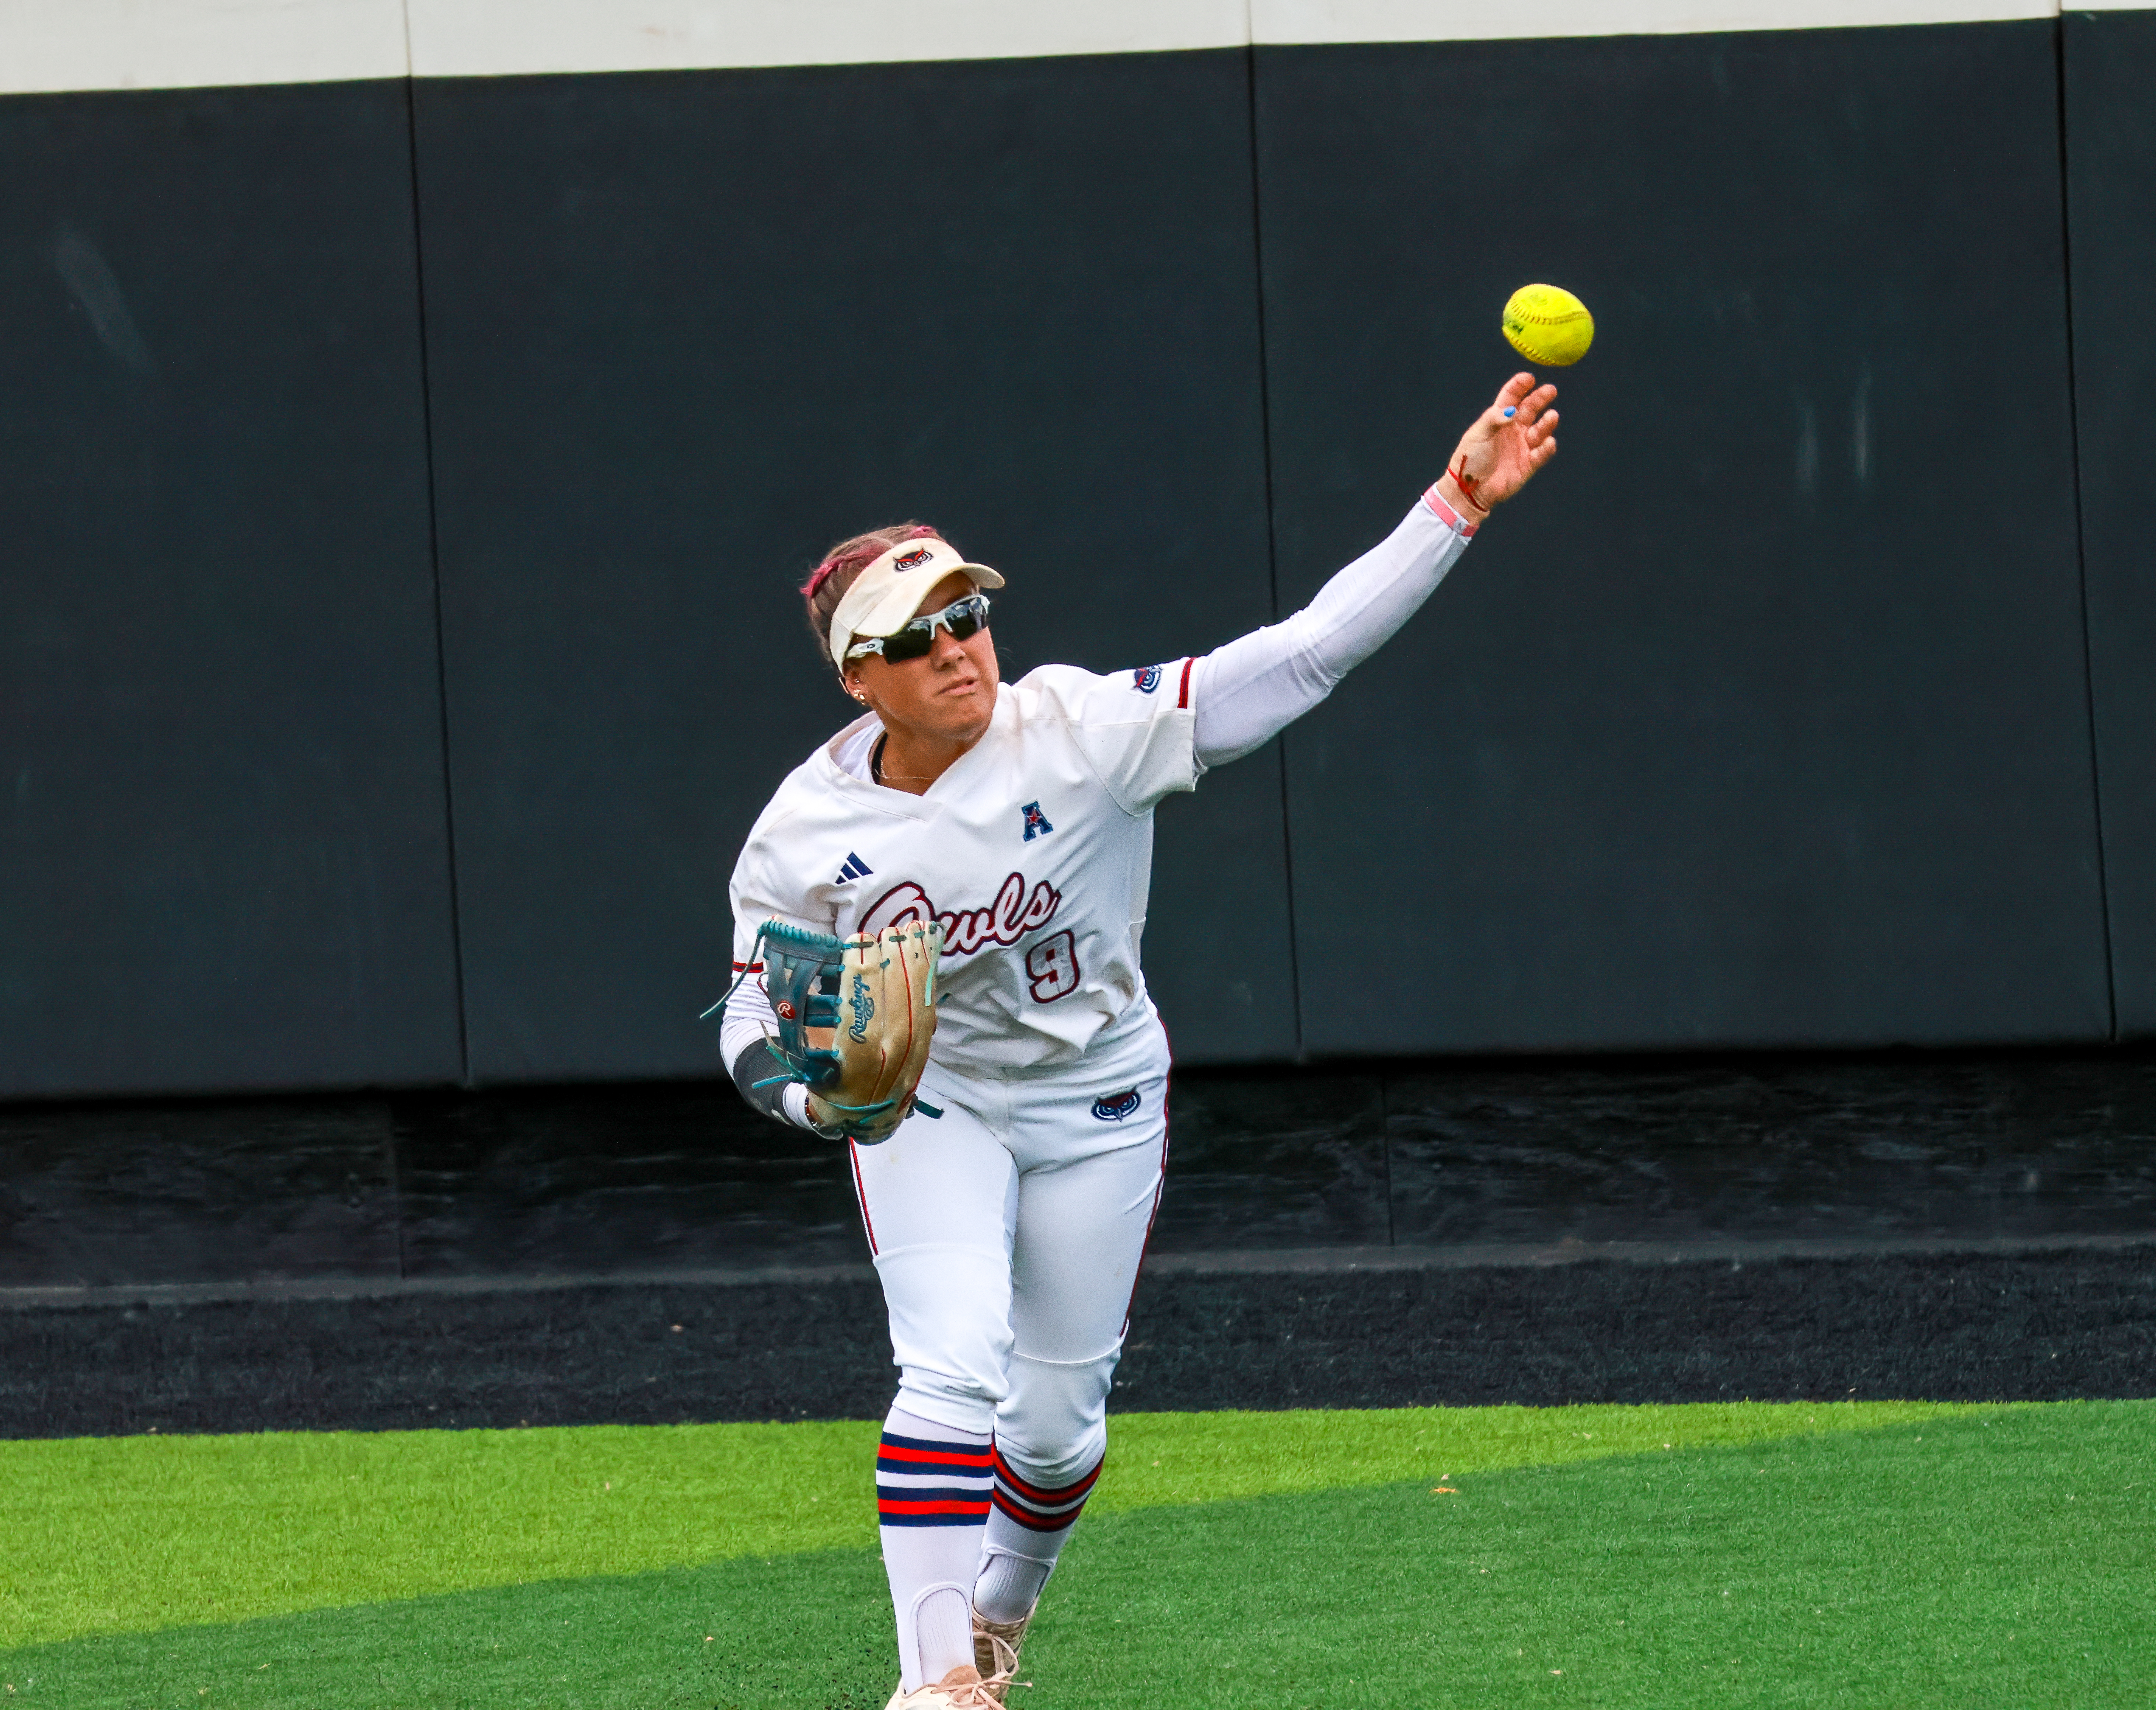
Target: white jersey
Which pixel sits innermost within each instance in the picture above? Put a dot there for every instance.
(1034, 850)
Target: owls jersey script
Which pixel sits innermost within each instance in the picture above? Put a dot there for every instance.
(1034, 850)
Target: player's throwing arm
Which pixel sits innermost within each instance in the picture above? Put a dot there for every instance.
(936, 922)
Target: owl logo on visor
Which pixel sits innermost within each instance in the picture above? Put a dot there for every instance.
(913, 560)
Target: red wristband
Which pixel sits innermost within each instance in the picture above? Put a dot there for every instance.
(1465, 483)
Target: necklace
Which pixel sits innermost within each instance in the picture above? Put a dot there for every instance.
(878, 775)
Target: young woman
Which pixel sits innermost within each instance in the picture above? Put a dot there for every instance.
(1008, 1214)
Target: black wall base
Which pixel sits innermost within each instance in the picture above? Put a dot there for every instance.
(2027, 1327)
(1859, 1152)
(372, 1262)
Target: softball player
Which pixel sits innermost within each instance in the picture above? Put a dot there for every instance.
(1008, 1214)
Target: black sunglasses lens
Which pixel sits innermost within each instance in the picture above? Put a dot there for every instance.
(966, 621)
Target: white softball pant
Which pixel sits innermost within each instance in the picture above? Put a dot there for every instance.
(1007, 1234)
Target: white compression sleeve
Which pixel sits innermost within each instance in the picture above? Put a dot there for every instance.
(748, 1021)
(1249, 690)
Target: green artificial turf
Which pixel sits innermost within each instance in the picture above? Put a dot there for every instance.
(1970, 1556)
(107, 1534)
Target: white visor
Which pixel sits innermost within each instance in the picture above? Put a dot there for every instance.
(886, 596)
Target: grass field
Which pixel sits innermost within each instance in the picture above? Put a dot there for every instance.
(1858, 1554)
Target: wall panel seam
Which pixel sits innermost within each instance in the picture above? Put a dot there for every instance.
(2080, 549)
(434, 570)
(1272, 549)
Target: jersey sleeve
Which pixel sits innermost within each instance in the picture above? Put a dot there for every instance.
(759, 892)
(1135, 727)
(1251, 689)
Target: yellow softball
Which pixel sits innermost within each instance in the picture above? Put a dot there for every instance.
(1547, 324)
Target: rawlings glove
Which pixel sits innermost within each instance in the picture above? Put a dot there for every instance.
(873, 999)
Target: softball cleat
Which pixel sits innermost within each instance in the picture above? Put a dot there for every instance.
(995, 1652)
(962, 1689)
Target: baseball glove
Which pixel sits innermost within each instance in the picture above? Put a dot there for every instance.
(873, 999)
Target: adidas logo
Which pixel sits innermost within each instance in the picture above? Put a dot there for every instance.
(855, 868)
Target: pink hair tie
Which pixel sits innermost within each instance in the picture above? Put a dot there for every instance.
(817, 576)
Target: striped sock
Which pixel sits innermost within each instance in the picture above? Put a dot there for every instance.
(1025, 1533)
(932, 1485)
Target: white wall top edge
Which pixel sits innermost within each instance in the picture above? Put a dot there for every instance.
(49, 45)
(1288, 21)
(117, 44)
(495, 37)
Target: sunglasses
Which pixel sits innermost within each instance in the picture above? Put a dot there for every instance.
(965, 619)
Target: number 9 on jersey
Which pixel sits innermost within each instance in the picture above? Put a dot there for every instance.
(1051, 968)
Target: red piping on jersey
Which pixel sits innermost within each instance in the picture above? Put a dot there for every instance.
(748, 968)
(1183, 695)
(1154, 1215)
(862, 1191)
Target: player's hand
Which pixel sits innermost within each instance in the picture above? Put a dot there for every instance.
(870, 1131)
(1508, 442)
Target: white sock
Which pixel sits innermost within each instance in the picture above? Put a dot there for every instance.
(1010, 1585)
(942, 1628)
(931, 1503)
(1018, 1549)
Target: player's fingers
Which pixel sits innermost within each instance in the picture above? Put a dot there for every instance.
(1535, 402)
(1513, 390)
(1542, 453)
(1544, 425)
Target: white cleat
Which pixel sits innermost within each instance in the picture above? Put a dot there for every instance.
(962, 1689)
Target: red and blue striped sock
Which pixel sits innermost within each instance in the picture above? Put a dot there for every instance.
(933, 1495)
(1025, 1533)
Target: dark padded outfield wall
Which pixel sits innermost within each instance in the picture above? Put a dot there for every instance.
(688, 328)
(223, 846)
(1763, 718)
(2110, 161)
